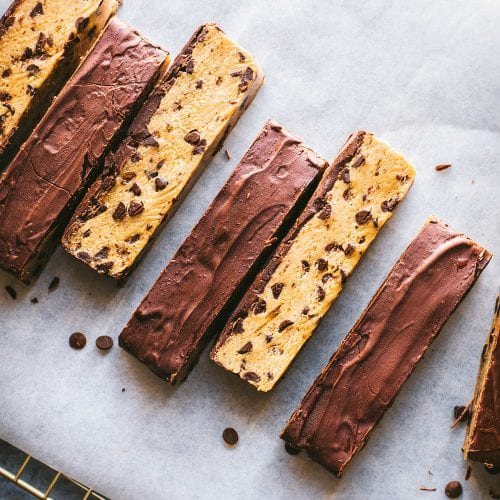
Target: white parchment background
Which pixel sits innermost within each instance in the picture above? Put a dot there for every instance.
(425, 77)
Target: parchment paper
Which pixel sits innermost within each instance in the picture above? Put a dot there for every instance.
(425, 77)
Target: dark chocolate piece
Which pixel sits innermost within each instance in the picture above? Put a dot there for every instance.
(104, 342)
(483, 435)
(223, 252)
(230, 436)
(48, 176)
(363, 377)
(77, 340)
(453, 489)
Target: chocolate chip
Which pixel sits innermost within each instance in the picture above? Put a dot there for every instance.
(218, 80)
(246, 78)
(277, 289)
(259, 306)
(105, 267)
(326, 212)
(453, 489)
(252, 376)
(188, 66)
(306, 266)
(199, 84)
(135, 158)
(230, 436)
(30, 90)
(442, 166)
(34, 300)
(322, 265)
(27, 54)
(343, 276)
(236, 72)
(77, 340)
(284, 325)
(123, 389)
(81, 23)
(326, 277)
(193, 137)
(86, 257)
(348, 250)
(104, 342)
(9, 21)
(238, 326)
(333, 246)
(133, 239)
(246, 348)
(153, 175)
(136, 189)
(5, 96)
(346, 194)
(102, 253)
(200, 148)
(358, 161)
(120, 211)
(135, 208)
(37, 10)
(320, 293)
(389, 205)
(461, 412)
(6, 73)
(318, 204)
(345, 176)
(108, 182)
(375, 223)
(128, 176)
(401, 178)
(291, 450)
(361, 240)
(160, 184)
(53, 284)
(11, 291)
(305, 311)
(363, 216)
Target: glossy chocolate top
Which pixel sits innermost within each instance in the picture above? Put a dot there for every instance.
(62, 155)
(484, 438)
(380, 352)
(223, 251)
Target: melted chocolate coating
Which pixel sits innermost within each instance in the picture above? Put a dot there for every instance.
(222, 254)
(363, 377)
(484, 435)
(48, 176)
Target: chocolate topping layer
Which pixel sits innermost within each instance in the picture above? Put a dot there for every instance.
(222, 253)
(360, 382)
(63, 155)
(483, 437)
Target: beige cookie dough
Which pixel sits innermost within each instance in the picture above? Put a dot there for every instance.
(175, 135)
(41, 43)
(306, 274)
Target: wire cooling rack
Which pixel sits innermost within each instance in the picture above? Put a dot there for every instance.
(28, 474)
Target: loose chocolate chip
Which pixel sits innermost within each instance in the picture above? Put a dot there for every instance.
(306, 266)
(442, 166)
(6, 73)
(160, 184)
(326, 212)
(348, 250)
(102, 253)
(123, 389)
(291, 450)
(320, 293)
(199, 84)
(305, 311)
(322, 264)
(326, 277)
(34, 300)
(77, 340)
(259, 306)
(30, 90)
(461, 412)
(200, 148)
(284, 325)
(358, 162)
(468, 473)
(54, 283)
(252, 376)
(277, 289)
(120, 211)
(230, 436)
(135, 188)
(345, 176)
(11, 291)
(246, 348)
(389, 205)
(81, 23)
(363, 216)
(104, 342)
(453, 489)
(135, 208)
(37, 10)
(238, 326)
(193, 137)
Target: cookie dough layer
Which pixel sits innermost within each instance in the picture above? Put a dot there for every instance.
(483, 435)
(48, 176)
(41, 43)
(362, 379)
(290, 296)
(199, 287)
(173, 138)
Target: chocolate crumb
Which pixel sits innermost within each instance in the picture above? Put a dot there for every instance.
(34, 300)
(228, 154)
(442, 166)
(305, 311)
(77, 340)
(291, 450)
(277, 289)
(246, 348)
(198, 84)
(461, 413)
(425, 488)
(285, 324)
(468, 473)
(230, 436)
(54, 284)
(104, 342)
(11, 291)
(453, 489)
(123, 389)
